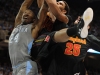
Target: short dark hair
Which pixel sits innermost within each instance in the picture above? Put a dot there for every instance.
(66, 7)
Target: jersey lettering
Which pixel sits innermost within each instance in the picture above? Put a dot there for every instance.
(12, 38)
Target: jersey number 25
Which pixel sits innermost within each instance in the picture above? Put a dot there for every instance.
(72, 49)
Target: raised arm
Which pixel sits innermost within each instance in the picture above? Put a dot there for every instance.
(56, 11)
(25, 5)
(41, 17)
(40, 2)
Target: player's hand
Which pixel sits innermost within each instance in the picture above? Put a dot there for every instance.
(77, 20)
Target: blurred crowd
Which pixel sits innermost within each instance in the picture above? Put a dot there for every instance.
(7, 15)
(5, 69)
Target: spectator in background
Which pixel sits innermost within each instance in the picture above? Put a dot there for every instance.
(5, 26)
(5, 69)
(1, 23)
(10, 73)
(1, 72)
(2, 34)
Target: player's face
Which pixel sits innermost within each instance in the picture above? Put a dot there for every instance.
(27, 17)
(61, 5)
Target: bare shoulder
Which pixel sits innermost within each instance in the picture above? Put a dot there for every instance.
(35, 23)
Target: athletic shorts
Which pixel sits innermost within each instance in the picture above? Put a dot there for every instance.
(26, 68)
(78, 69)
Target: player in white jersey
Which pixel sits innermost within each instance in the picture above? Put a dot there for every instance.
(20, 42)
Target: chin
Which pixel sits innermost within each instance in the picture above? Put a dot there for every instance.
(24, 23)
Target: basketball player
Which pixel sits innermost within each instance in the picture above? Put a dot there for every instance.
(47, 28)
(21, 39)
(61, 9)
(69, 56)
(49, 25)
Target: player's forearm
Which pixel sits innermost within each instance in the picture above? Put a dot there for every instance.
(53, 7)
(50, 1)
(27, 3)
(56, 11)
(41, 17)
(40, 2)
(42, 14)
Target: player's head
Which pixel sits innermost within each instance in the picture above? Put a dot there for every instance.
(63, 7)
(28, 17)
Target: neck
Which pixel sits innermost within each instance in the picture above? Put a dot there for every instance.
(24, 23)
